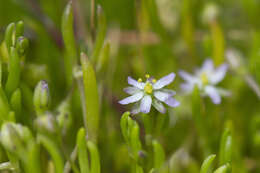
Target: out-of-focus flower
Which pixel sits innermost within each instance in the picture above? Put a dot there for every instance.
(206, 80)
(210, 13)
(150, 93)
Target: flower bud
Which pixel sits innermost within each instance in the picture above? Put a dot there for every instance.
(15, 137)
(22, 45)
(46, 123)
(210, 13)
(41, 97)
(64, 117)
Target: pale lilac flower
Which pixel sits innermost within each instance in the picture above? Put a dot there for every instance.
(206, 79)
(151, 92)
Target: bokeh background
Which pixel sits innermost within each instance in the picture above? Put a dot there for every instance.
(155, 37)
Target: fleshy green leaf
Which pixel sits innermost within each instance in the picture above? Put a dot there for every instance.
(207, 163)
(91, 98)
(69, 41)
(159, 155)
(94, 156)
(82, 151)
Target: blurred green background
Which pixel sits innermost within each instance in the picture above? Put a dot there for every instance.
(155, 37)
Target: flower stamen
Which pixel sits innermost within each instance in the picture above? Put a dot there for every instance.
(147, 76)
(204, 78)
(148, 88)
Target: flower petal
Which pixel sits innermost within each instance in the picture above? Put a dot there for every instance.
(219, 74)
(187, 87)
(131, 90)
(134, 98)
(158, 106)
(208, 65)
(187, 77)
(136, 108)
(213, 94)
(162, 96)
(166, 80)
(146, 103)
(172, 102)
(171, 92)
(135, 83)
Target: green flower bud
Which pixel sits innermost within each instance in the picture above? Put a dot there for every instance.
(64, 117)
(41, 97)
(15, 137)
(22, 45)
(19, 29)
(46, 124)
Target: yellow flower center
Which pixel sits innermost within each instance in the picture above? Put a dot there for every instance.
(204, 78)
(140, 80)
(148, 88)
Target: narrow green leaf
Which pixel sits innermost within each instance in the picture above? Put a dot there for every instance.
(224, 169)
(4, 106)
(82, 151)
(103, 59)
(54, 151)
(13, 72)
(135, 141)
(19, 30)
(69, 41)
(16, 101)
(9, 36)
(207, 163)
(91, 98)
(226, 145)
(124, 125)
(159, 155)
(94, 157)
(33, 163)
(218, 43)
(102, 28)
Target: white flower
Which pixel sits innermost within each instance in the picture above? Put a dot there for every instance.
(206, 78)
(150, 93)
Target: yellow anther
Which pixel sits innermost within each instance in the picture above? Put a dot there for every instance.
(204, 78)
(154, 80)
(148, 88)
(140, 80)
(147, 76)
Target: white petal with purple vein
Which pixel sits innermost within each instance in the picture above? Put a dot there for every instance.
(166, 80)
(187, 77)
(162, 96)
(146, 103)
(135, 83)
(187, 87)
(134, 98)
(213, 94)
(219, 74)
(172, 102)
(207, 65)
(131, 90)
(136, 108)
(171, 92)
(158, 106)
